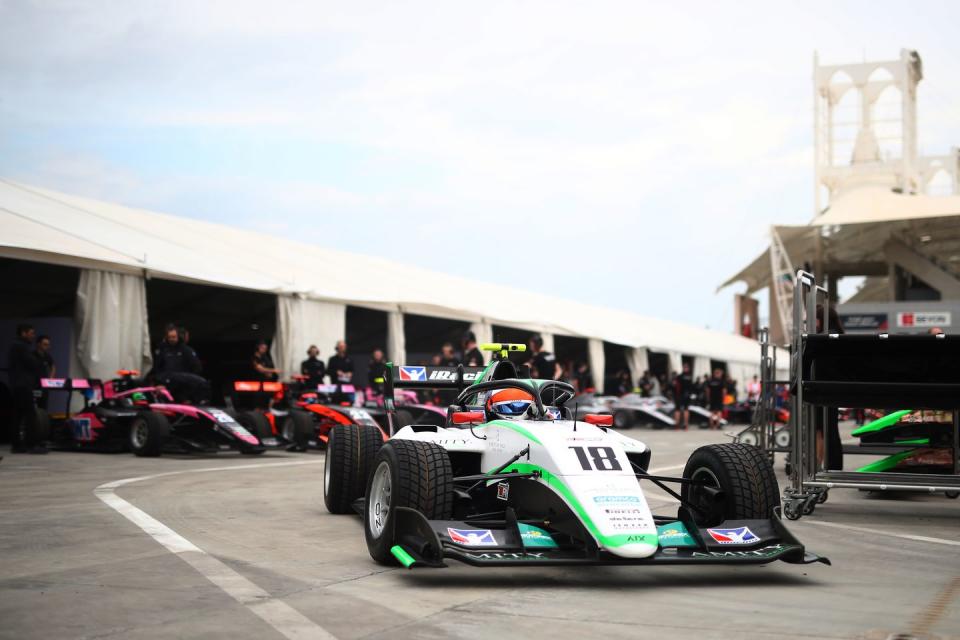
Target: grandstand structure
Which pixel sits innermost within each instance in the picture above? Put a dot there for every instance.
(881, 212)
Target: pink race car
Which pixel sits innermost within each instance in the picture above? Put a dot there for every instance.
(122, 415)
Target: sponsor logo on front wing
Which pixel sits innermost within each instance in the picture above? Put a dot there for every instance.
(472, 537)
(765, 552)
(505, 555)
(737, 535)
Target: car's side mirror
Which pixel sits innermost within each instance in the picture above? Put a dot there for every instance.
(467, 417)
(598, 420)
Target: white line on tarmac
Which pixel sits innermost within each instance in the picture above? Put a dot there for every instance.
(285, 619)
(885, 533)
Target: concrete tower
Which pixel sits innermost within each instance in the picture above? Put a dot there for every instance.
(865, 126)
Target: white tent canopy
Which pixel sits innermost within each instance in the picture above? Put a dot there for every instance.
(46, 226)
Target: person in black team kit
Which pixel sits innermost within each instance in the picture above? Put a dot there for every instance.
(340, 366)
(376, 371)
(543, 364)
(472, 357)
(715, 389)
(24, 369)
(682, 388)
(175, 366)
(313, 368)
(447, 357)
(262, 362)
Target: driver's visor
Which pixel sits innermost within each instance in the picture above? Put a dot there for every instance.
(511, 407)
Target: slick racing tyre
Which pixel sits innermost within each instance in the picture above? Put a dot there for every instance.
(351, 449)
(298, 428)
(148, 431)
(256, 423)
(407, 473)
(623, 419)
(738, 483)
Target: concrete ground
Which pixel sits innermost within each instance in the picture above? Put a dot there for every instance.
(254, 544)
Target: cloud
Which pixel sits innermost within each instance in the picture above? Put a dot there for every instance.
(641, 149)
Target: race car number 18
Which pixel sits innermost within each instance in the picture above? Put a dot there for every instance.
(602, 458)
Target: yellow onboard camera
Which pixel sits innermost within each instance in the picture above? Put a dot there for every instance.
(503, 348)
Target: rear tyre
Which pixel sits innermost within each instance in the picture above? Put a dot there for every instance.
(351, 449)
(148, 431)
(297, 429)
(623, 419)
(407, 473)
(739, 484)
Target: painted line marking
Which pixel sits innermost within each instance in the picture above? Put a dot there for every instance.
(285, 619)
(886, 534)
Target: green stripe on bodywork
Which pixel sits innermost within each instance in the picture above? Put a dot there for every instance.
(882, 423)
(402, 556)
(554, 482)
(513, 426)
(913, 441)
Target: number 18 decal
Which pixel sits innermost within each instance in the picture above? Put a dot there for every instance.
(599, 458)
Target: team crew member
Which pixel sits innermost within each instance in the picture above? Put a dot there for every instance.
(175, 366)
(682, 388)
(263, 365)
(715, 390)
(313, 367)
(43, 353)
(472, 356)
(340, 365)
(376, 371)
(543, 364)
(447, 357)
(24, 369)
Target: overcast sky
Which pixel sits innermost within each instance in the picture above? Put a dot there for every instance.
(629, 154)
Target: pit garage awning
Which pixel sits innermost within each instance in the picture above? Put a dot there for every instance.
(855, 232)
(46, 226)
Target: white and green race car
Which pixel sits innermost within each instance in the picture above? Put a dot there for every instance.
(514, 479)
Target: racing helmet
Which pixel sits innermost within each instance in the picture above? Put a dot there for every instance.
(139, 399)
(509, 403)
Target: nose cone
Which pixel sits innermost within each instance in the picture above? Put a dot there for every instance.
(643, 549)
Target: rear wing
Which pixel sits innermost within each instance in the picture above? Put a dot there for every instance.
(423, 377)
(405, 376)
(69, 384)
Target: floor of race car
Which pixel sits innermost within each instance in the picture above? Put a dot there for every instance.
(248, 551)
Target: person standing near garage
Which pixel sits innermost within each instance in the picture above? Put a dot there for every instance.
(25, 370)
(175, 366)
(340, 365)
(543, 364)
(682, 388)
(313, 368)
(715, 389)
(377, 371)
(472, 356)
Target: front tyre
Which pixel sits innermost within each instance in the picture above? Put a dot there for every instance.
(148, 431)
(351, 449)
(407, 473)
(735, 482)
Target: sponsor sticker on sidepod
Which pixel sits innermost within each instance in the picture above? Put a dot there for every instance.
(737, 535)
(615, 499)
(472, 537)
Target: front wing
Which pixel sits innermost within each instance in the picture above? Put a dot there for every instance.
(422, 542)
